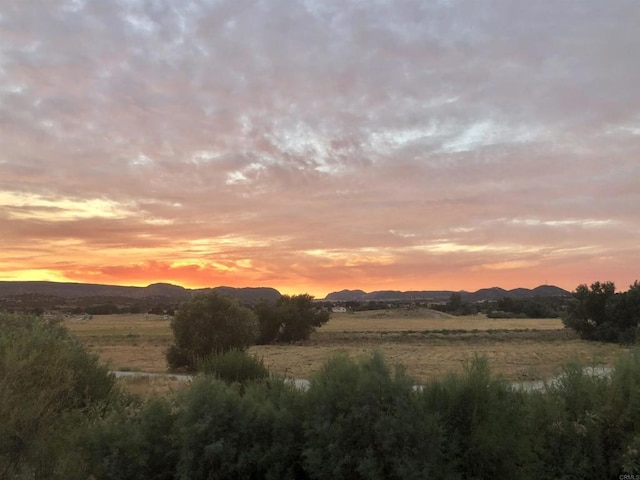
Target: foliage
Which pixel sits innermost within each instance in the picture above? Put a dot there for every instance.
(538, 307)
(364, 423)
(209, 324)
(135, 443)
(482, 418)
(226, 435)
(598, 313)
(456, 306)
(48, 387)
(235, 366)
(360, 419)
(62, 417)
(289, 319)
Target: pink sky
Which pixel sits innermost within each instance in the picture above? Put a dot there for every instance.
(313, 146)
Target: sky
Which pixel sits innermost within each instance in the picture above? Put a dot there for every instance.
(320, 145)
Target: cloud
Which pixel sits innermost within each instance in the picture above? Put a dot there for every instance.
(309, 132)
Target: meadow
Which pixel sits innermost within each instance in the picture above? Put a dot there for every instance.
(428, 343)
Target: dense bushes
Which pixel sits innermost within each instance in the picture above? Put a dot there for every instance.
(360, 420)
(235, 366)
(363, 423)
(599, 313)
(49, 389)
(60, 417)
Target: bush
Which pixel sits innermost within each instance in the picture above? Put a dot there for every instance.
(226, 435)
(290, 319)
(49, 388)
(235, 366)
(483, 421)
(365, 423)
(207, 325)
(136, 442)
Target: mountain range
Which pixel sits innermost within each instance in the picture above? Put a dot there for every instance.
(157, 290)
(482, 295)
(253, 295)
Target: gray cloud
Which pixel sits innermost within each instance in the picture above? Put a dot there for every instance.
(324, 127)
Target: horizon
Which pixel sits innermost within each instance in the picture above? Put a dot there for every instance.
(310, 145)
(319, 297)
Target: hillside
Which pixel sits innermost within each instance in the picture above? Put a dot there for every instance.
(159, 291)
(482, 295)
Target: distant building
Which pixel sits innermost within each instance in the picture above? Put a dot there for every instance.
(339, 310)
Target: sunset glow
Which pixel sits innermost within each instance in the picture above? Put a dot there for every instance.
(313, 146)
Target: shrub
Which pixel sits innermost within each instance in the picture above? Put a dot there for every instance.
(136, 442)
(49, 386)
(235, 366)
(364, 423)
(226, 435)
(483, 422)
(209, 324)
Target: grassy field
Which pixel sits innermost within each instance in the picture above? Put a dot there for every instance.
(423, 319)
(429, 344)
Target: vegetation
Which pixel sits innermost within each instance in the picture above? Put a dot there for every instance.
(537, 307)
(49, 390)
(361, 420)
(599, 313)
(60, 417)
(235, 366)
(289, 319)
(207, 325)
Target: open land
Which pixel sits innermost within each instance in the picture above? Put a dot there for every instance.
(428, 343)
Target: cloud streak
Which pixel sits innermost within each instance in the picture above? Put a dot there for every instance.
(314, 146)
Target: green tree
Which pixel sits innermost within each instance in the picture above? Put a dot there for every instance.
(588, 310)
(598, 313)
(207, 325)
(290, 319)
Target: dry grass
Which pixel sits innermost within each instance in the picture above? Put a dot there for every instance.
(514, 357)
(429, 344)
(126, 342)
(422, 319)
(120, 325)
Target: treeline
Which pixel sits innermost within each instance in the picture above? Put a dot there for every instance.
(37, 304)
(62, 417)
(506, 307)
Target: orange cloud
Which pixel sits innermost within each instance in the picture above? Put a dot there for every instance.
(438, 148)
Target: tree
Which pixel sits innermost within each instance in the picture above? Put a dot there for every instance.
(588, 310)
(598, 313)
(455, 302)
(209, 324)
(290, 319)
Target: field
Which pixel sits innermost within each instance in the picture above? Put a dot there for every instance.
(429, 344)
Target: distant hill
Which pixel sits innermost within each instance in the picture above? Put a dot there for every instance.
(482, 295)
(158, 290)
(174, 293)
(346, 295)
